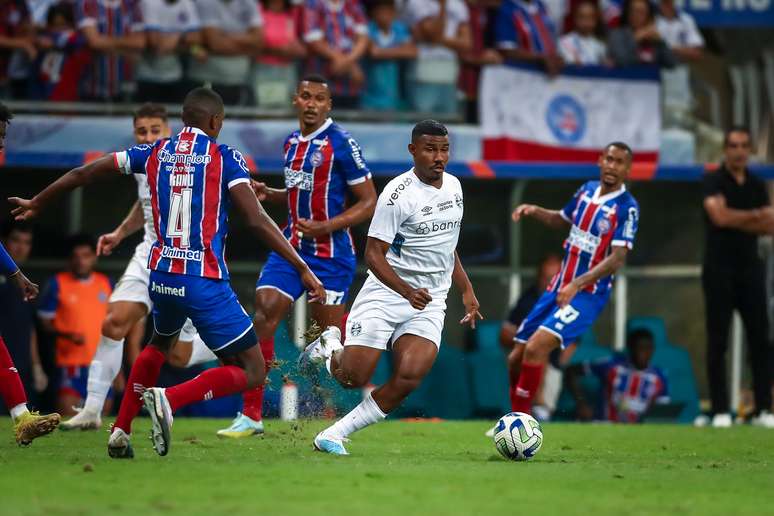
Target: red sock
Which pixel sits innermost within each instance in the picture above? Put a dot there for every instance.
(211, 384)
(252, 399)
(144, 374)
(525, 390)
(11, 388)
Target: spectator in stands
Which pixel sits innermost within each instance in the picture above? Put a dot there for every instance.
(637, 40)
(113, 30)
(524, 32)
(583, 46)
(630, 385)
(336, 34)
(442, 31)
(62, 59)
(72, 308)
(391, 42)
(172, 30)
(276, 74)
(678, 30)
(17, 47)
(17, 317)
(483, 14)
(233, 37)
(545, 401)
(737, 210)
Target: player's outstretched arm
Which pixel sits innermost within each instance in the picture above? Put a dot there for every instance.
(103, 167)
(131, 223)
(361, 211)
(551, 218)
(610, 265)
(469, 299)
(266, 193)
(375, 253)
(262, 226)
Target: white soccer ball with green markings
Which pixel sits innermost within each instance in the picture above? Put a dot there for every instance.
(518, 436)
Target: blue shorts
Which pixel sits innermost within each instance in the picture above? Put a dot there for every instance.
(212, 306)
(74, 380)
(336, 275)
(568, 323)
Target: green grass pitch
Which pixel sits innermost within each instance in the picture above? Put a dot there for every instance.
(395, 468)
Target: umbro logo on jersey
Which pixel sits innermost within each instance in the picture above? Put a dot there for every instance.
(399, 190)
(427, 210)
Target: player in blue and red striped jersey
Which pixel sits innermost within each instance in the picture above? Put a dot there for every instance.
(193, 181)
(324, 169)
(630, 384)
(603, 218)
(112, 29)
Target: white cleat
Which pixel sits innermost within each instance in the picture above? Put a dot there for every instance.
(83, 420)
(120, 445)
(328, 443)
(764, 420)
(722, 421)
(157, 405)
(320, 349)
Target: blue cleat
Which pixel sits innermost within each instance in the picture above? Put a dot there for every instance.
(242, 426)
(330, 444)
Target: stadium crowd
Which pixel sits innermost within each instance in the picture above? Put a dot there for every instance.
(422, 55)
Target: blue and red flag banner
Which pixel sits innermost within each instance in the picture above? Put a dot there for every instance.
(528, 116)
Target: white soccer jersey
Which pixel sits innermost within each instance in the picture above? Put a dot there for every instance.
(143, 194)
(422, 224)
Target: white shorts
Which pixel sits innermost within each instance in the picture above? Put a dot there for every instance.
(379, 317)
(133, 287)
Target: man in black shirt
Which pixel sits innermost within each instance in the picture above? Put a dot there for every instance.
(737, 211)
(17, 317)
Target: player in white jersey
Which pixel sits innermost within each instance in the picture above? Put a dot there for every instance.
(130, 301)
(412, 259)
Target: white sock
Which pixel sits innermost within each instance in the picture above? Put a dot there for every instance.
(102, 371)
(18, 411)
(200, 353)
(367, 413)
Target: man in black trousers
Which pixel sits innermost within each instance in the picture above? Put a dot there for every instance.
(737, 211)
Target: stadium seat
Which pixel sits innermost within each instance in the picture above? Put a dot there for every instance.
(676, 363)
(588, 350)
(486, 336)
(489, 382)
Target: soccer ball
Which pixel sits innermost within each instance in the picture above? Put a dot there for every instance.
(518, 436)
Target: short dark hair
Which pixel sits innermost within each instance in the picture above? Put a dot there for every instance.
(81, 240)
(627, 6)
(736, 129)
(373, 4)
(314, 77)
(151, 110)
(10, 225)
(5, 113)
(200, 104)
(638, 335)
(621, 145)
(428, 127)
(60, 9)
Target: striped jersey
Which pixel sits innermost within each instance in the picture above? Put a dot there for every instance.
(319, 168)
(189, 177)
(599, 223)
(628, 391)
(114, 18)
(526, 26)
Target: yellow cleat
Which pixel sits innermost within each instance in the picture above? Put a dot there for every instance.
(242, 426)
(32, 425)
